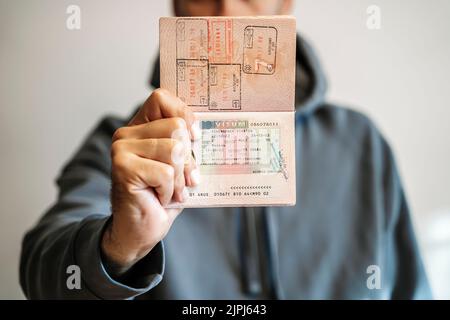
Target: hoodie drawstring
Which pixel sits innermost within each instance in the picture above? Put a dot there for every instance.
(258, 254)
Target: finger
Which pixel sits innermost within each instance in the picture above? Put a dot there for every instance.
(180, 193)
(144, 173)
(191, 170)
(168, 151)
(162, 104)
(162, 128)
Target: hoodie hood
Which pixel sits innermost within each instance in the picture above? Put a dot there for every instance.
(310, 86)
(310, 82)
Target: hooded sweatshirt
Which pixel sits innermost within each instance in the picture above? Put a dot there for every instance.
(349, 236)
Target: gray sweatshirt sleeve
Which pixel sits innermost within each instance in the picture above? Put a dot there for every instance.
(69, 234)
(409, 277)
(405, 274)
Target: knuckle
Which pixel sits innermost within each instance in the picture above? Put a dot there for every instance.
(178, 123)
(158, 94)
(117, 148)
(168, 173)
(177, 150)
(119, 134)
(120, 162)
(176, 146)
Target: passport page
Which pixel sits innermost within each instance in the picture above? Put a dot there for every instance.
(238, 76)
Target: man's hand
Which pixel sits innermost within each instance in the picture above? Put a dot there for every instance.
(149, 170)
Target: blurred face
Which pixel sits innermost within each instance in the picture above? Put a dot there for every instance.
(231, 7)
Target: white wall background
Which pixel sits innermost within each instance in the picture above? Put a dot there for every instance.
(55, 84)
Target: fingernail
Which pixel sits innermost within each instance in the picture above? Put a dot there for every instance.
(196, 132)
(195, 177)
(185, 194)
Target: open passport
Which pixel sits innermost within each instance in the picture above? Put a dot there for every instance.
(238, 76)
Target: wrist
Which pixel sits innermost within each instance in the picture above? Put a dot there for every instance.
(115, 263)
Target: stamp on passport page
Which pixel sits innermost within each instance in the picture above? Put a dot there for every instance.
(260, 49)
(220, 38)
(238, 76)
